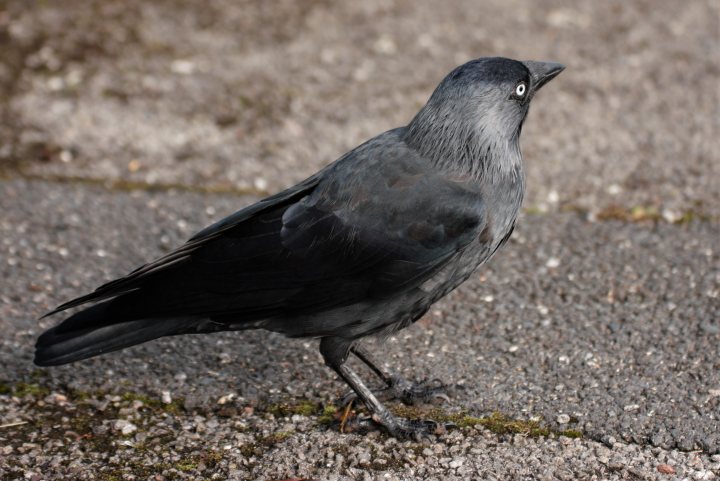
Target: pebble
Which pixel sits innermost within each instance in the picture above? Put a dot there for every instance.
(553, 262)
(182, 67)
(56, 398)
(125, 427)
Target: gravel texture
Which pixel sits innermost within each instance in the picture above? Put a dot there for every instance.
(588, 349)
(620, 346)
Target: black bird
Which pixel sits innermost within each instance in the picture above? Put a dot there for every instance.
(363, 247)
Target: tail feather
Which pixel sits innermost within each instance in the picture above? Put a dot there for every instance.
(96, 331)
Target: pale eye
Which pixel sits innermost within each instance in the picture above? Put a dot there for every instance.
(520, 89)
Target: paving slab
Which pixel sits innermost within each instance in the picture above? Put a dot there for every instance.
(608, 330)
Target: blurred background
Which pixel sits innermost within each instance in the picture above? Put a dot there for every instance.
(253, 96)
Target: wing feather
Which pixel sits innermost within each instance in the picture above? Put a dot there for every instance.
(376, 223)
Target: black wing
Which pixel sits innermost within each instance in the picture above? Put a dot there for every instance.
(372, 228)
(377, 223)
(135, 279)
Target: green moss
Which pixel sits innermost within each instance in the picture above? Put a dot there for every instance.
(690, 216)
(5, 389)
(274, 438)
(136, 469)
(250, 449)
(262, 443)
(501, 424)
(278, 410)
(571, 433)
(83, 395)
(304, 408)
(131, 396)
(211, 458)
(468, 421)
(328, 415)
(186, 465)
(174, 407)
(497, 423)
(23, 389)
(639, 213)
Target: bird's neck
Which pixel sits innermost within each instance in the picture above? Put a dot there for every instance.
(473, 150)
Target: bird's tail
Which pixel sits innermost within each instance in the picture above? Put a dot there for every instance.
(98, 330)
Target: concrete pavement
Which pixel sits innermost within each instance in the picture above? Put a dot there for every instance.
(604, 328)
(587, 349)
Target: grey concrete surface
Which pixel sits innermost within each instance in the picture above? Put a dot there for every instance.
(122, 122)
(607, 328)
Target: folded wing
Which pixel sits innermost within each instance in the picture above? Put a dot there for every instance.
(353, 235)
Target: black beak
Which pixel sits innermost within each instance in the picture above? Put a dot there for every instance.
(543, 72)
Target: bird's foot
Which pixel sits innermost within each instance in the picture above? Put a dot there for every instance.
(398, 427)
(407, 392)
(410, 393)
(401, 428)
(416, 429)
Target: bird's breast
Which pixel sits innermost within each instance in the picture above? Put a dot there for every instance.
(502, 200)
(455, 272)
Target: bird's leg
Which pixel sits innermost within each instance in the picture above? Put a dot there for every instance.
(365, 356)
(408, 392)
(335, 351)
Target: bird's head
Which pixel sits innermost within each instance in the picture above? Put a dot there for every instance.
(480, 107)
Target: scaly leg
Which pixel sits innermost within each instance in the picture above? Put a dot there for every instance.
(400, 388)
(335, 351)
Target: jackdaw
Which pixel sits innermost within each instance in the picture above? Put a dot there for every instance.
(363, 247)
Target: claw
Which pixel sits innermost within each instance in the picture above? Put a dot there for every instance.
(348, 398)
(441, 395)
(359, 425)
(417, 429)
(396, 426)
(401, 428)
(407, 392)
(411, 392)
